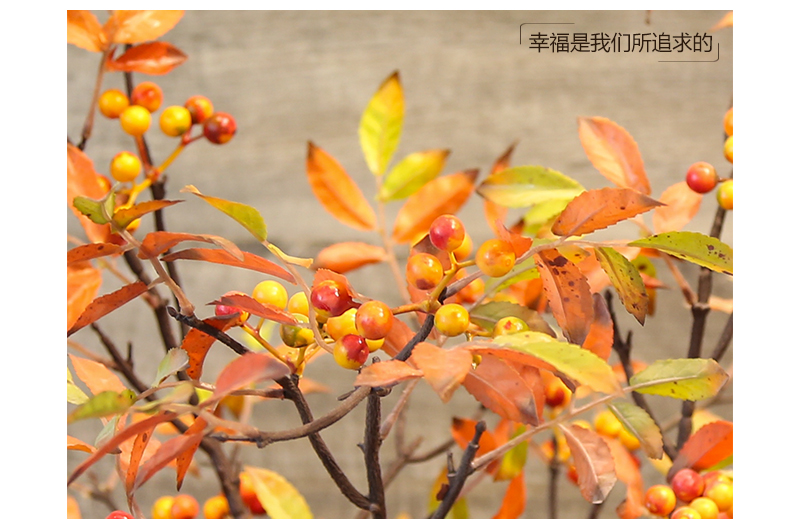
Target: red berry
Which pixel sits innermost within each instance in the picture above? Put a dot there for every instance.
(219, 128)
(351, 351)
(248, 495)
(330, 298)
(147, 94)
(687, 484)
(702, 177)
(200, 107)
(447, 233)
(119, 515)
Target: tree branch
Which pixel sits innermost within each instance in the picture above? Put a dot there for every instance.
(459, 477)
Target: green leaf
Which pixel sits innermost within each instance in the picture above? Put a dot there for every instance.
(514, 459)
(641, 425)
(277, 495)
(175, 360)
(104, 404)
(543, 214)
(74, 395)
(247, 216)
(577, 363)
(411, 173)
(525, 186)
(381, 124)
(626, 280)
(693, 247)
(98, 211)
(684, 379)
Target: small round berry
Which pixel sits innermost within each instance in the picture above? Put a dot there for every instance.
(149, 95)
(330, 298)
(112, 103)
(271, 292)
(424, 271)
(702, 177)
(135, 120)
(298, 303)
(119, 515)
(351, 352)
(557, 393)
(724, 195)
(713, 476)
(447, 233)
(185, 507)
(687, 484)
(509, 325)
(707, 508)
(374, 320)
(728, 122)
(660, 500)
(607, 424)
(162, 508)
(125, 166)
(452, 319)
(296, 336)
(342, 325)
(728, 149)
(216, 507)
(219, 128)
(721, 494)
(175, 120)
(248, 495)
(200, 107)
(685, 513)
(495, 257)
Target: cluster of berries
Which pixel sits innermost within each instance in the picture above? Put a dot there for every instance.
(702, 177)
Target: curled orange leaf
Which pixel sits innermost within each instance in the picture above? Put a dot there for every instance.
(152, 58)
(613, 152)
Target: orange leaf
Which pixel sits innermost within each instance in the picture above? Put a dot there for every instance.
(72, 443)
(463, 431)
(169, 450)
(107, 303)
(398, 337)
(386, 374)
(83, 181)
(265, 310)
(568, 294)
(133, 26)
(500, 388)
(249, 368)
(96, 375)
(600, 338)
(443, 195)
(124, 216)
(158, 242)
(184, 459)
(628, 472)
(593, 461)
(136, 456)
(493, 212)
(596, 209)
(197, 343)
(90, 251)
(82, 285)
(336, 191)
(681, 204)
(706, 447)
(84, 30)
(521, 244)
(348, 256)
(614, 153)
(444, 370)
(326, 274)
(152, 58)
(220, 256)
(515, 500)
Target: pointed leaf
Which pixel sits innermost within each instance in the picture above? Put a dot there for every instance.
(681, 204)
(525, 186)
(82, 285)
(494, 213)
(443, 195)
(98, 211)
(600, 338)
(167, 452)
(72, 443)
(349, 256)
(381, 124)
(102, 405)
(83, 181)
(96, 376)
(130, 27)
(247, 369)
(626, 281)
(158, 242)
(594, 462)
(521, 244)
(136, 456)
(336, 191)
(684, 379)
(693, 247)
(578, 364)
(627, 471)
(641, 425)
(75, 395)
(443, 369)
(386, 374)
(568, 293)
(246, 216)
(248, 304)
(152, 58)
(124, 216)
(614, 153)
(277, 495)
(84, 30)
(597, 209)
(706, 447)
(91, 251)
(411, 173)
(220, 256)
(175, 360)
(197, 343)
(107, 303)
(515, 500)
(184, 459)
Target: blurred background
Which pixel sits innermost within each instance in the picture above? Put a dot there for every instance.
(470, 87)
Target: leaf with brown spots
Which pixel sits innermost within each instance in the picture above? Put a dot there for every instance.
(596, 209)
(521, 244)
(594, 462)
(349, 256)
(681, 204)
(568, 294)
(107, 303)
(626, 281)
(220, 256)
(197, 343)
(386, 374)
(443, 369)
(706, 447)
(91, 251)
(693, 247)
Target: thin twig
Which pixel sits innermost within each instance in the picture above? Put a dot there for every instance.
(371, 450)
(459, 477)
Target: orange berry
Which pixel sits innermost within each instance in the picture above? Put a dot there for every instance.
(135, 120)
(629, 440)
(296, 336)
(219, 128)
(216, 507)
(125, 166)
(607, 424)
(162, 507)
(175, 120)
(351, 352)
(728, 122)
(298, 303)
(149, 95)
(728, 149)
(185, 507)
(465, 249)
(374, 320)
(342, 324)
(112, 103)
(200, 107)
(495, 257)
(721, 494)
(724, 195)
(660, 500)
(451, 319)
(424, 271)
(685, 513)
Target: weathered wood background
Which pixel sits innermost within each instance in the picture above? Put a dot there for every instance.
(293, 77)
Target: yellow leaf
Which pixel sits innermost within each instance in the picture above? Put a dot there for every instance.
(277, 495)
(380, 127)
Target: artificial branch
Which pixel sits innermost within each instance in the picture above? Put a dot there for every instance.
(458, 478)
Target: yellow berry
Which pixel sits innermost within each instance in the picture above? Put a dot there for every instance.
(112, 103)
(135, 120)
(125, 166)
(271, 292)
(175, 120)
(452, 319)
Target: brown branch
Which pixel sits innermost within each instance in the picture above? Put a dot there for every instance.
(458, 478)
(371, 449)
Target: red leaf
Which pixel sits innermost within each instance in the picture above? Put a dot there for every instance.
(250, 305)
(220, 256)
(463, 430)
(681, 204)
(90, 251)
(140, 442)
(614, 153)
(184, 459)
(386, 374)
(158, 242)
(107, 303)
(596, 209)
(96, 376)
(706, 447)
(398, 337)
(348, 256)
(152, 58)
(521, 244)
(568, 294)
(249, 368)
(169, 450)
(628, 472)
(515, 500)
(197, 343)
